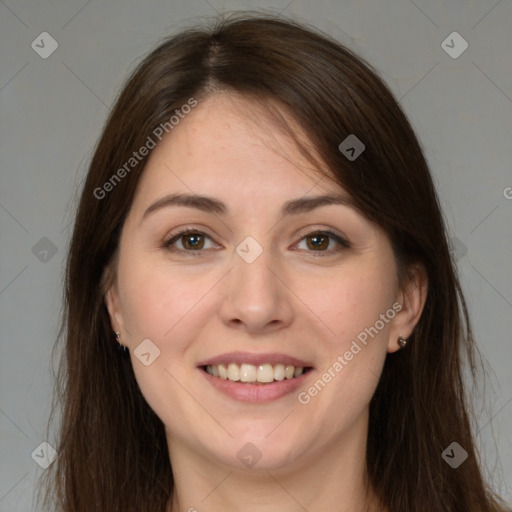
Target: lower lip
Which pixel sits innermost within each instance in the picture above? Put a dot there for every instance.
(256, 393)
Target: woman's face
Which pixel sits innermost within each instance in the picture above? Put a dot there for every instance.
(269, 279)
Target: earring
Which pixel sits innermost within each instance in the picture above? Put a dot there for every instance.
(402, 341)
(119, 346)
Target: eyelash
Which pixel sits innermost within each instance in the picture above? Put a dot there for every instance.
(342, 243)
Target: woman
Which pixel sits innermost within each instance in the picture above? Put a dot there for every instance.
(261, 308)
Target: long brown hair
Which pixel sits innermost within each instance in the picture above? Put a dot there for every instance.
(112, 447)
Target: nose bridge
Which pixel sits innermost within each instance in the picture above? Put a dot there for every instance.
(252, 273)
(256, 297)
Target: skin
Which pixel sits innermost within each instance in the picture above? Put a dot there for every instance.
(290, 300)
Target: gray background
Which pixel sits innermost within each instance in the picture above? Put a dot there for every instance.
(53, 110)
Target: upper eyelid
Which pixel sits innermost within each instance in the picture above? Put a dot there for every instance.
(342, 239)
(184, 232)
(327, 231)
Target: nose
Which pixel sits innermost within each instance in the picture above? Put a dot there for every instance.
(256, 298)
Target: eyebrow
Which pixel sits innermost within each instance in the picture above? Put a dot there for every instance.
(211, 205)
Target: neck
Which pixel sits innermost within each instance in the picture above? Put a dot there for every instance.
(332, 477)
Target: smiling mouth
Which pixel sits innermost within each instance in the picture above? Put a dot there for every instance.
(252, 374)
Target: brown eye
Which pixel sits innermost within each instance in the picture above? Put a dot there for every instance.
(317, 242)
(189, 241)
(193, 241)
(323, 243)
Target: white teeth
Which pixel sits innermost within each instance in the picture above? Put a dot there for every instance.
(233, 372)
(279, 371)
(264, 373)
(223, 371)
(248, 373)
(289, 372)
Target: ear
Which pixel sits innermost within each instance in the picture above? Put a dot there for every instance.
(114, 310)
(108, 285)
(412, 299)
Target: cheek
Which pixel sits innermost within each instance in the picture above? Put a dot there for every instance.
(353, 301)
(158, 300)
(162, 305)
(355, 347)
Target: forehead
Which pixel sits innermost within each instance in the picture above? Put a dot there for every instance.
(229, 142)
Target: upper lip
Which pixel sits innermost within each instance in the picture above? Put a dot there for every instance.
(254, 359)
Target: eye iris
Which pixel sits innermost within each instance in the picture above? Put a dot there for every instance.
(193, 241)
(318, 242)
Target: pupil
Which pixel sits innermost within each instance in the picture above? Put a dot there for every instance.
(319, 241)
(193, 241)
